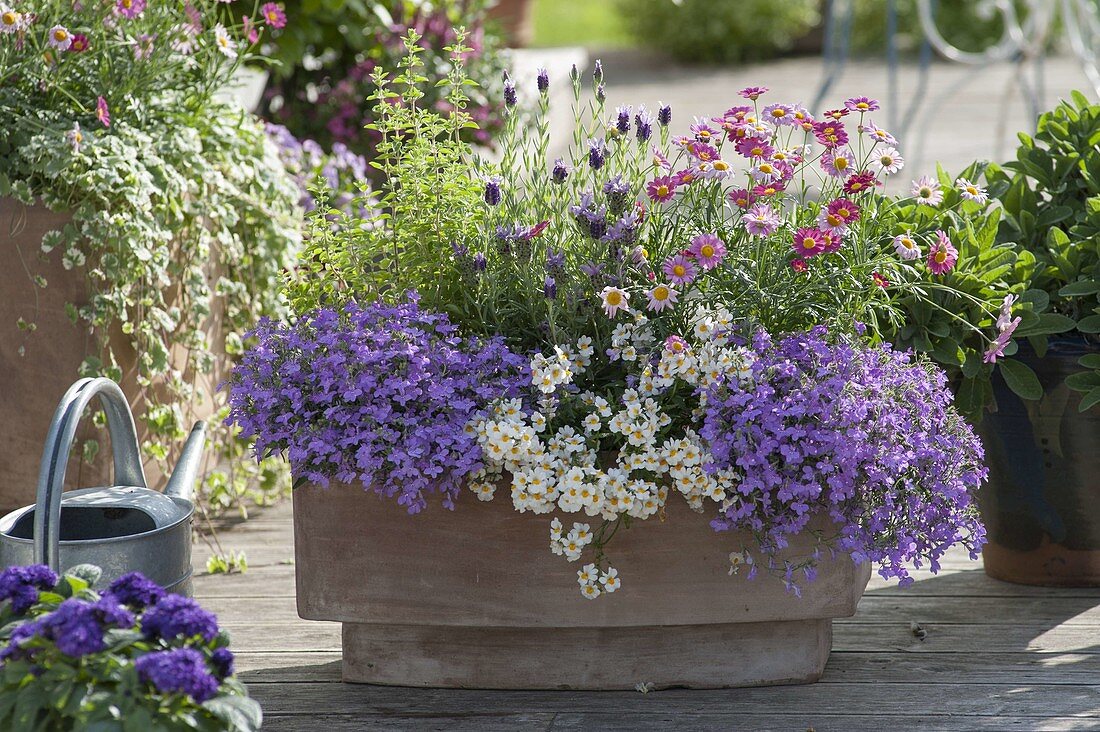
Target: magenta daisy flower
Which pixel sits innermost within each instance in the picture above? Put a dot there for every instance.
(741, 197)
(927, 191)
(680, 269)
(129, 8)
(661, 189)
(799, 265)
(661, 297)
(767, 190)
(847, 211)
(830, 133)
(761, 220)
(273, 15)
(971, 191)
(737, 114)
(836, 163)
(754, 147)
(80, 43)
(861, 104)
(102, 112)
(708, 250)
(660, 160)
(942, 256)
(685, 177)
(836, 114)
(703, 132)
(833, 242)
(59, 38)
(831, 223)
(703, 152)
(880, 280)
(808, 242)
(860, 183)
(753, 92)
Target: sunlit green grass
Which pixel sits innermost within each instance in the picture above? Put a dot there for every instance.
(592, 23)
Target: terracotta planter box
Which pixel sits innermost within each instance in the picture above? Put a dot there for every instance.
(52, 354)
(474, 599)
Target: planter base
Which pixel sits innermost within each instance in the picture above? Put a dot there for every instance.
(1050, 565)
(691, 656)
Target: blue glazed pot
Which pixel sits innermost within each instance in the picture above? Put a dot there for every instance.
(1042, 503)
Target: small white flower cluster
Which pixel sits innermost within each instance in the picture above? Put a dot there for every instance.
(566, 470)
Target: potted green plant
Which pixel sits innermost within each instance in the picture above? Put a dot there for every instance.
(142, 218)
(1042, 441)
(660, 358)
(131, 657)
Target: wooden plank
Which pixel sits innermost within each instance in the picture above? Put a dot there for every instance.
(897, 699)
(926, 669)
(515, 722)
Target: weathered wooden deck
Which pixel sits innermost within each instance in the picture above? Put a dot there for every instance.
(995, 656)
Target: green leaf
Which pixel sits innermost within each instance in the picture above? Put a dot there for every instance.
(239, 712)
(1084, 380)
(1081, 287)
(1047, 323)
(1090, 324)
(1091, 361)
(1021, 379)
(87, 572)
(1090, 400)
(971, 396)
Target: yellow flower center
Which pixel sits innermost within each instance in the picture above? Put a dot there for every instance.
(834, 220)
(679, 270)
(10, 17)
(840, 163)
(677, 347)
(660, 293)
(757, 151)
(765, 168)
(721, 165)
(886, 160)
(60, 34)
(941, 257)
(843, 213)
(862, 105)
(925, 192)
(809, 242)
(779, 113)
(614, 298)
(972, 190)
(662, 191)
(127, 4)
(707, 251)
(907, 243)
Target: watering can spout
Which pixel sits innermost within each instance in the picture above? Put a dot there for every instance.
(182, 482)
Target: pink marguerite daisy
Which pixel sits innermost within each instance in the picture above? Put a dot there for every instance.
(680, 270)
(102, 112)
(741, 197)
(129, 8)
(808, 242)
(754, 147)
(79, 44)
(927, 191)
(887, 161)
(943, 255)
(708, 250)
(273, 15)
(661, 189)
(753, 92)
(880, 280)
(860, 182)
(906, 247)
(761, 220)
(661, 297)
(830, 133)
(799, 265)
(614, 300)
(861, 104)
(836, 163)
(971, 191)
(660, 160)
(59, 38)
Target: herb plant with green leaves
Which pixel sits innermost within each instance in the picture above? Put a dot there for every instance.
(1050, 198)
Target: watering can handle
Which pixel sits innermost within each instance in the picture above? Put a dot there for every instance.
(55, 458)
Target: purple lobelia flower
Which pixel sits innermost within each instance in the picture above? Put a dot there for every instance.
(379, 394)
(21, 585)
(867, 436)
(178, 671)
(135, 590)
(175, 617)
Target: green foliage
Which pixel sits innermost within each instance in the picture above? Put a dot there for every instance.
(427, 200)
(720, 32)
(1050, 195)
(183, 216)
(102, 692)
(968, 25)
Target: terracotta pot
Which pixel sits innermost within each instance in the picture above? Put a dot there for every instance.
(38, 367)
(474, 599)
(1041, 506)
(516, 19)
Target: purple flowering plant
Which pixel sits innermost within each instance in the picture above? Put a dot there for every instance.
(379, 394)
(72, 657)
(638, 276)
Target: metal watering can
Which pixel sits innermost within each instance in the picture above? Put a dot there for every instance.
(123, 528)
